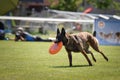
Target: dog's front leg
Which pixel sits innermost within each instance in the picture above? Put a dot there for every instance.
(70, 57)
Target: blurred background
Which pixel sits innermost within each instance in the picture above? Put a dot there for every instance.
(45, 8)
(95, 13)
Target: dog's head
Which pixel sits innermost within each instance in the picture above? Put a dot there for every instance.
(61, 36)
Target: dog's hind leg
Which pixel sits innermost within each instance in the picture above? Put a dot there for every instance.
(103, 55)
(89, 52)
(81, 48)
(85, 55)
(91, 55)
(94, 44)
(95, 47)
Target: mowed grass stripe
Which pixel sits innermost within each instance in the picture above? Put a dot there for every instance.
(32, 61)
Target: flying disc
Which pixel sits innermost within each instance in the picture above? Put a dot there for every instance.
(88, 10)
(55, 48)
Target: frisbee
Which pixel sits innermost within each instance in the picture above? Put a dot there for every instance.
(55, 48)
(88, 10)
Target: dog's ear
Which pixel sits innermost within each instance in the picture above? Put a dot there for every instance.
(58, 31)
(63, 31)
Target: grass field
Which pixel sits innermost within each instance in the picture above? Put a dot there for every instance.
(32, 61)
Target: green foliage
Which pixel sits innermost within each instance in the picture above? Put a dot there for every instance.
(67, 5)
(31, 61)
(104, 4)
(74, 5)
(101, 4)
(116, 5)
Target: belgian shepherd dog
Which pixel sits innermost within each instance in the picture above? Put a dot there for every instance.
(78, 43)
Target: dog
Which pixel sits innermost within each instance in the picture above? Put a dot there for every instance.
(78, 43)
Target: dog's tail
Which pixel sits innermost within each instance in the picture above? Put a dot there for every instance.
(94, 33)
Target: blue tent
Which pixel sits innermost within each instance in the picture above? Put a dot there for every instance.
(108, 31)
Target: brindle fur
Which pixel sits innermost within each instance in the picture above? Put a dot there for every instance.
(79, 43)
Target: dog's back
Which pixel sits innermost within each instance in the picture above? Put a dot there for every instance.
(84, 36)
(86, 39)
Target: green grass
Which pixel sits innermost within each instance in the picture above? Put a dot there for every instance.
(32, 61)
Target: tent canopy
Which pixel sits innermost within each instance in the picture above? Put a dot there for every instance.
(7, 5)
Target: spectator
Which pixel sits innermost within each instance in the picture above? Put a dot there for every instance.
(25, 36)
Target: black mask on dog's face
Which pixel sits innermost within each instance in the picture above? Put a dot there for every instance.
(58, 36)
(61, 36)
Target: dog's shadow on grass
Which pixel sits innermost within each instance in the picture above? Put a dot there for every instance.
(74, 66)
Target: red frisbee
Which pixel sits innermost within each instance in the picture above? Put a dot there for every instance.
(55, 48)
(88, 10)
